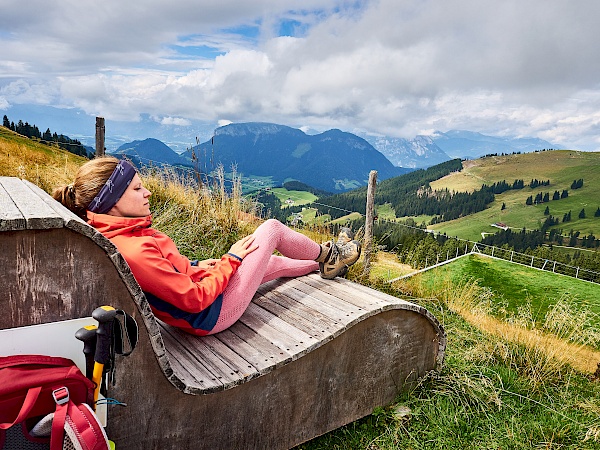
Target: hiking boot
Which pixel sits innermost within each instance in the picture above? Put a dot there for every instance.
(345, 236)
(339, 259)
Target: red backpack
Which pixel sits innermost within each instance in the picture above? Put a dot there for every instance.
(34, 386)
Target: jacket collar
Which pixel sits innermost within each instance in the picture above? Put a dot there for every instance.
(111, 226)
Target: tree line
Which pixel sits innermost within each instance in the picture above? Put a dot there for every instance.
(47, 137)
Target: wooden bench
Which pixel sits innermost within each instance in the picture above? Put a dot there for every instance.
(308, 356)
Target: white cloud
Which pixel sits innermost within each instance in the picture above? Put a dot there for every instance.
(178, 121)
(394, 67)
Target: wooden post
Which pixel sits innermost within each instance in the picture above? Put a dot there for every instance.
(99, 137)
(368, 242)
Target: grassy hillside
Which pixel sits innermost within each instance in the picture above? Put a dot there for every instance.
(561, 167)
(46, 166)
(514, 285)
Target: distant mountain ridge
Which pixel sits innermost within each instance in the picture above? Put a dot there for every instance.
(333, 161)
(426, 151)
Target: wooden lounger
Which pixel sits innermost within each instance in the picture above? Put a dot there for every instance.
(308, 356)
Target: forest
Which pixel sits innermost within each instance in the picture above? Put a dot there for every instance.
(47, 137)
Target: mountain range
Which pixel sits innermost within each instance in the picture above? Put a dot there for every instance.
(333, 161)
(426, 151)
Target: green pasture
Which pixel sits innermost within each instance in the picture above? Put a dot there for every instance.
(515, 285)
(561, 167)
(296, 197)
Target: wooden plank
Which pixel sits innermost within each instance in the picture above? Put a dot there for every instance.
(181, 358)
(271, 354)
(322, 320)
(217, 364)
(248, 352)
(242, 367)
(304, 318)
(298, 338)
(360, 298)
(381, 296)
(274, 331)
(38, 215)
(11, 217)
(329, 310)
(349, 309)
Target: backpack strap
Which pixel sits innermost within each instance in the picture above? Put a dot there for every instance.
(61, 397)
(28, 403)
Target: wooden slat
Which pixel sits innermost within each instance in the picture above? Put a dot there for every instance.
(37, 214)
(245, 350)
(331, 311)
(369, 292)
(322, 321)
(345, 292)
(188, 368)
(298, 338)
(217, 364)
(327, 298)
(303, 321)
(274, 333)
(10, 216)
(271, 354)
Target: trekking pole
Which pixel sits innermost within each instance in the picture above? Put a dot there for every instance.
(87, 335)
(105, 316)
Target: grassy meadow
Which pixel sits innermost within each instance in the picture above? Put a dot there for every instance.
(522, 344)
(514, 285)
(296, 198)
(46, 166)
(561, 167)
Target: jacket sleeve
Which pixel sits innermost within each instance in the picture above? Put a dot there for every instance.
(193, 291)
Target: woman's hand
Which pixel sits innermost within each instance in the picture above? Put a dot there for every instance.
(243, 247)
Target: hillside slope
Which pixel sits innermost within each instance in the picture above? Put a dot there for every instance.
(46, 166)
(560, 167)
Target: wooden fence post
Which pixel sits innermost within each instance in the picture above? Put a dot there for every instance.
(99, 136)
(368, 241)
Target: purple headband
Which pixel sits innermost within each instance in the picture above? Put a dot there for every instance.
(113, 189)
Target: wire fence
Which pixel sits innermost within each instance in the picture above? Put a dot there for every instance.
(477, 248)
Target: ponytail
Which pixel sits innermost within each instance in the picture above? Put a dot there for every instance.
(90, 178)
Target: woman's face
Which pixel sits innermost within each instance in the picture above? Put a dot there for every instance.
(134, 201)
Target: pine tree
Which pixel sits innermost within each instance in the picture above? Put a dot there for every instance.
(5, 122)
(547, 211)
(582, 214)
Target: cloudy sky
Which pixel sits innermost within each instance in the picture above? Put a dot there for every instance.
(391, 67)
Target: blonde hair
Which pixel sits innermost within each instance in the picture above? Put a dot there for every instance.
(88, 181)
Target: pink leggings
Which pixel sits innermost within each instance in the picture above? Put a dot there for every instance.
(299, 254)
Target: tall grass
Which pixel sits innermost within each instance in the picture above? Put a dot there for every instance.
(43, 165)
(204, 220)
(540, 347)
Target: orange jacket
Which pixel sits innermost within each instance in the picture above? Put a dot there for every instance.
(183, 293)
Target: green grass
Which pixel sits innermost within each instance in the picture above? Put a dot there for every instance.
(514, 285)
(297, 197)
(560, 167)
